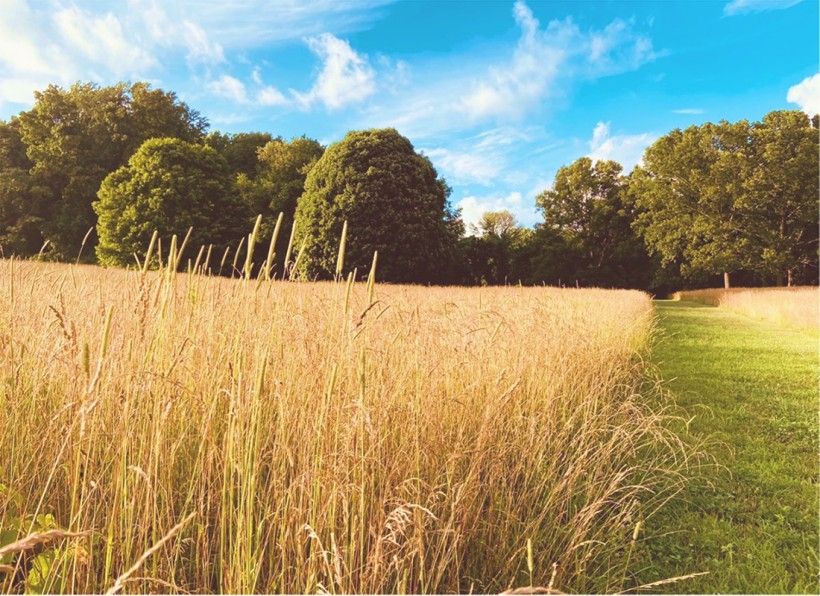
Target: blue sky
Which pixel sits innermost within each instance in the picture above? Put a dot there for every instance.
(498, 94)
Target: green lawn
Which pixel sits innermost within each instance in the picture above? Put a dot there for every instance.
(752, 387)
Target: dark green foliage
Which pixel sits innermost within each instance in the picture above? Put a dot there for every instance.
(20, 216)
(780, 200)
(498, 253)
(735, 197)
(279, 180)
(393, 201)
(168, 185)
(731, 197)
(239, 150)
(74, 137)
(588, 209)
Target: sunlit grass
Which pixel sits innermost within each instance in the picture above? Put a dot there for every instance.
(798, 306)
(265, 436)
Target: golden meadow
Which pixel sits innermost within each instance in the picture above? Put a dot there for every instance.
(181, 432)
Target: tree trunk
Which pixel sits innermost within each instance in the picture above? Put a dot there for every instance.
(726, 283)
(789, 277)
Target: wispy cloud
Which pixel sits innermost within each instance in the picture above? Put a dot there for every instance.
(514, 88)
(250, 23)
(465, 166)
(806, 94)
(736, 7)
(627, 150)
(543, 65)
(230, 88)
(693, 111)
(101, 40)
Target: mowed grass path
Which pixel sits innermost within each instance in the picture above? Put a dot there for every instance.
(753, 522)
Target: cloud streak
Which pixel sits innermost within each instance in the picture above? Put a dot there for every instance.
(739, 7)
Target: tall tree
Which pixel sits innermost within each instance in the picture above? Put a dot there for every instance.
(167, 186)
(781, 198)
(492, 255)
(282, 167)
(20, 216)
(394, 203)
(587, 206)
(275, 185)
(689, 193)
(74, 137)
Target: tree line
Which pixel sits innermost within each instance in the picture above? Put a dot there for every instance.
(90, 173)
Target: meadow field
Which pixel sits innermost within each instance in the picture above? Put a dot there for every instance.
(188, 433)
(797, 306)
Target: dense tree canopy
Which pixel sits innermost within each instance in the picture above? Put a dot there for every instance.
(239, 150)
(168, 185)
(20, 217)
(279, 180)
(587, 206)
(780, 198)
(394, 203)
(497, 253)
(732, 197)
(74, 137)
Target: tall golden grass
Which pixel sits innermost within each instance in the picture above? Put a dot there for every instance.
(797, 306)
(185, 433)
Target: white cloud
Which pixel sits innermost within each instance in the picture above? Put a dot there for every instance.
(736, 7)
(346, 77)
(806, 94)
(101, 40)
(473, 207)
(250, 23)
(541, 68)
(511, 89)
(271, 96)
(230, 88)
(692, 111)
(56, 42)
(627, 150)
(465, 166)
(541, 56)
(200, 47)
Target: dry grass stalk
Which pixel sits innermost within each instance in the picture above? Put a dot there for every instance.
(423, 443)
(797, 306)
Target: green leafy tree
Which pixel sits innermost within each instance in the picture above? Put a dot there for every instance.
(168, 185)
(239, 150)
(276, 184)
(74, 137)
(20, 215)
(588, 208)
(689, 193)
(494, 255)
(780, 202)
(394, 203)
(281, 171)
